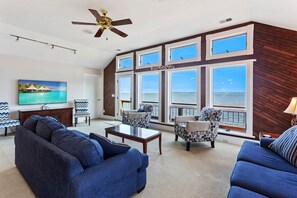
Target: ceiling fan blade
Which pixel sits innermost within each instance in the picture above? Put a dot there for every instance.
(82, 23)
(122, 34)
(121, 22)
(99, 32)
(96, 14)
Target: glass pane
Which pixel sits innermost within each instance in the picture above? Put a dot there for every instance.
(184, 87)
(124, 93)
(229, 44)
(229, 86)
(150, 88)
(185, 52)
(125, 63)
(149, 59)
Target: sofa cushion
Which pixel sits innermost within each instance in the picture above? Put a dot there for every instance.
(265, 181)
(286, 145)
(45, 127)
(31, 122)
(252, 152)
(110, 148)
(237, 192)
(87, 151)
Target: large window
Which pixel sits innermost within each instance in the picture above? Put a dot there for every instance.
(149, 91)
(184, 51)
(148, 58)
(124, 62)
(235, 42)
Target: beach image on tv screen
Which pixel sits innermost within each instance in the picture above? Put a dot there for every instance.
(42, 92)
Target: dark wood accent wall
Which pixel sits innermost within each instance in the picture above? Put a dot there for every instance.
(275, 77)
(109, 88)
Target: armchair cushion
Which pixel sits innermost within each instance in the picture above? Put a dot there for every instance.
(110, 148)
(136, 115)
(183, 119)
(197, 126)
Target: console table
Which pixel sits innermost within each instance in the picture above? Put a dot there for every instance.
(63, 115)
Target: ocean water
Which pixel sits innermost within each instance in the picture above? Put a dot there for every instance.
(219, 98)
(43, 98)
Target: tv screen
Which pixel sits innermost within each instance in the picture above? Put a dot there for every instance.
(42, 92)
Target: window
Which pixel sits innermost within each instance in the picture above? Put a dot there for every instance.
(184, 51)
(148, 58)
(124, 62)
(229, 43)
(229, 88)
(149, 91)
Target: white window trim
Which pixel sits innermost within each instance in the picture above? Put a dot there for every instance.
(123, 74)
(168, 90)
(168, 48)
(118, 58)
(249, 86)
(249, 30)
(148, 51)
(139, 85)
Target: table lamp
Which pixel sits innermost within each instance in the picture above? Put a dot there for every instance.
(292, 109)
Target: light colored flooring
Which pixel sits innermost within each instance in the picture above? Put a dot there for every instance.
(202, 172)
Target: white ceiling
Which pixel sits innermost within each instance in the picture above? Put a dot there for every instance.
(154, 21)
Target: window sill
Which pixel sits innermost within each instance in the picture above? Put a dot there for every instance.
(236, 133)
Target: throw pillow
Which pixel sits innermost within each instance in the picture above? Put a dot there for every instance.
(110, 148)
(87, 151)
(31, 122)
(45, 127)
(286, 145)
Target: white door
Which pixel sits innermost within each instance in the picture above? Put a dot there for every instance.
(124, 93)
(93, 92)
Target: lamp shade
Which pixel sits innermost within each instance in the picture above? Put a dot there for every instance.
(291, 109)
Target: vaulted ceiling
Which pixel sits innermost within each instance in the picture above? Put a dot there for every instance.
(154, 21)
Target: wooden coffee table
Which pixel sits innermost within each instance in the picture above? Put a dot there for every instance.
(136, 134)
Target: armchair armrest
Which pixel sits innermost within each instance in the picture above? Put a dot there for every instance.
(95, 179)
(265, 142)
(183, 119)
(198, 126)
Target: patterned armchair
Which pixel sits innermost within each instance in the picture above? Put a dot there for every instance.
(200, 128)
(138, 118)
(4, 117)
(81, 110)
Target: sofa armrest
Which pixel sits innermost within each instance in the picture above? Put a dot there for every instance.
(96, 179)
(265, 142)
(183, 119)
(197, 126)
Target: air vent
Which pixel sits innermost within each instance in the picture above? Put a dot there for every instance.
(225, 20)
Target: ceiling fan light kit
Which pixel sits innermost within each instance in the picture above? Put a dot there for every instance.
(105, 23)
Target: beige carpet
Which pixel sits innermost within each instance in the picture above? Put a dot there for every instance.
(202, 172)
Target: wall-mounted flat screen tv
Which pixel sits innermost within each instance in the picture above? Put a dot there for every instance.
(42, 92)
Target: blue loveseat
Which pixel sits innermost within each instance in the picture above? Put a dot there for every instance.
(52, 172)
(259, 173)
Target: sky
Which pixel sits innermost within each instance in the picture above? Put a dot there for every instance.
(232, 79)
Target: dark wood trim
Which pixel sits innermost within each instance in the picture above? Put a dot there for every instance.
(237, 136)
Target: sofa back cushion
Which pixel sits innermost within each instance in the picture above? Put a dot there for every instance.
(110, 148)
(45, 126)
(31, 122)
(87, 151)
(286, 145)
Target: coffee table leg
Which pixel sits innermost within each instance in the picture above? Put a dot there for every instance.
(106, 134)
(122, 139)
(160, 141)
(145, 147)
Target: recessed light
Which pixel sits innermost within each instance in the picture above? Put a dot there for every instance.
(87, 31)
(118, 50)
(225, 20)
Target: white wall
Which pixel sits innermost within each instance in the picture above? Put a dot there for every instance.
(13, 68)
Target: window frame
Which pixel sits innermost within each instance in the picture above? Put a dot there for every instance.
(249, 92)
(248, 30)
(124, 56)
(168, 94)
(139, 86)
(184, 43)
(148, 51)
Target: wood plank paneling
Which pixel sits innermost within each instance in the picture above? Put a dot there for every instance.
(275, 76)
(109, 88)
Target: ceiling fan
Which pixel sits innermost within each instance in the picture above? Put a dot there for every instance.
(105, 23)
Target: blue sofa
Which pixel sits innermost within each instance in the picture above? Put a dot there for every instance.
(53, 172)
(259, 173)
